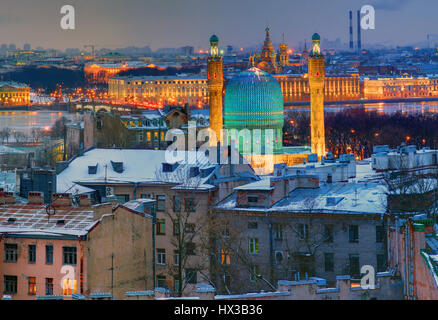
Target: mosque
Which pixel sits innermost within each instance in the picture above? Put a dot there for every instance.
(252, 111)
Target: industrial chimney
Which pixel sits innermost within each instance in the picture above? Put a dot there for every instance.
(359, 44)
(351, 31)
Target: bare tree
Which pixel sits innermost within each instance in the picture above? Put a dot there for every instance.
(190, 223)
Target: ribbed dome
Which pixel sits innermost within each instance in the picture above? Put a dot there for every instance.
(253, 100)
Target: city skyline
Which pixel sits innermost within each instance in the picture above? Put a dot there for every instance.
(114, 24)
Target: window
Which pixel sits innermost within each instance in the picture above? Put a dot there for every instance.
(354, 233)
(254, 273)
(303, 231)
(32, 253)
(225, 256)
(191, 276)
(49, 254)
(148, 135)
(278, 257)
(190, 248)
(69, 255)
(253, 245)
(161, 203)
(328, 233)
(122, 198)
(31, 285)
(190, 228)
(252, 225)
(354, 265)
(176, 284)
(176, 227)
(226, 231)
(10, 284)
(190, 204)
(161, 226)
(11, 252)
(176, 257)
(49, 286)
(176, 203)
(380, 234)
(161, 256)
(161, 281)
(278, 231)
(329, 262)
(381, 263)
(253, 199)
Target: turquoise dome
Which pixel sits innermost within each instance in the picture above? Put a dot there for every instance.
(214, 38)
(253, 100)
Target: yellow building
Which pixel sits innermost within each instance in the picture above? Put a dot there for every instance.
(14, 94)
(316, 82)
(402, 87)
(160, 90)
(296, 88)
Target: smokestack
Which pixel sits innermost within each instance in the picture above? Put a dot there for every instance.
(359, 44)
(351, 31)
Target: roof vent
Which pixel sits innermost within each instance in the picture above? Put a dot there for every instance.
(12, 220)
(194, 171)
(92, 169)
(117, 166)
(333, 201)
(169, 167)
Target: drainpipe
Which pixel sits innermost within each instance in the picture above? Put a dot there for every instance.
(154, 221)
(135, 190)
(271, 248)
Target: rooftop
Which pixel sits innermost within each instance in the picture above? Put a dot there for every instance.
(33, 220)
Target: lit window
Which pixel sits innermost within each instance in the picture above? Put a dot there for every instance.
(253, 245)
(161, 226)
(225, 256)
(32, 285)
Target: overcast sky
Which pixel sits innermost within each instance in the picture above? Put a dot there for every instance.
(175, 23)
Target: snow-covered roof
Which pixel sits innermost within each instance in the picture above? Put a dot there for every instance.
(139, 166)
(32, 220)
(343, 198)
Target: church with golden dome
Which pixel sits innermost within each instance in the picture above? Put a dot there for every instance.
(269, 60)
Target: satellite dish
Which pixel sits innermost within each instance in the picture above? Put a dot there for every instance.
(50, 210)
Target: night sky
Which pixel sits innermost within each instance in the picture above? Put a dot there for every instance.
(241, 23)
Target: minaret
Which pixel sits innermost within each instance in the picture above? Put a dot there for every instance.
(215, 81)
(316, 82)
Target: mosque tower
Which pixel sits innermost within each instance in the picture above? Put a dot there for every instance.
(215, 81)
(316, 82)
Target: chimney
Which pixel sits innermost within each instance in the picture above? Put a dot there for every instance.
(61, 200)
(100, 209)
(351, 31)
(35, 197)
(7, 198)
(85, 200)
(359, 44)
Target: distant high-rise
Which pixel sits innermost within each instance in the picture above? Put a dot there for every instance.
(12, 47)
(316, 83)
(351, 31)
(26, 47)
(359, 44)
(215, 80)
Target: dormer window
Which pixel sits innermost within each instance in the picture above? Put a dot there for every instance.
(253, 199)
(117, 166)
(92, 169)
